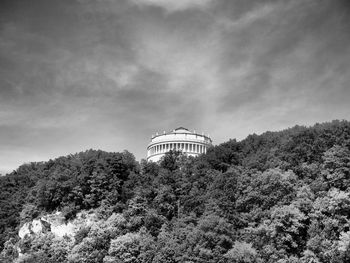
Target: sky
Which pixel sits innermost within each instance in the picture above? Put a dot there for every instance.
(107, 74)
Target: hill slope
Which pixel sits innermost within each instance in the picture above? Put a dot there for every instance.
(276, 197)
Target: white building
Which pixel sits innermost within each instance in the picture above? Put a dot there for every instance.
(180, 139)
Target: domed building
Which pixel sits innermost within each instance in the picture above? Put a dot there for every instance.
(180, 139)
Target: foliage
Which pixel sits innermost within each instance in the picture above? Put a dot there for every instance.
(277, 197)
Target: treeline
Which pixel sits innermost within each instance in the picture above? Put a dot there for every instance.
(72, 183)
(277, 197)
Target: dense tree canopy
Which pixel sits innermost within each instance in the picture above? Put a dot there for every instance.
(276, 197)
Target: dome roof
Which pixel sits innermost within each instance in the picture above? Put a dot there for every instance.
(181, 130)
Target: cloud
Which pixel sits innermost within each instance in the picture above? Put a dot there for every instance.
(251, 16)
(107, 74)
(173, 6)
(281, 55)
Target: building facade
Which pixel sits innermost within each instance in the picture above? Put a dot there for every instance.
(180, 139)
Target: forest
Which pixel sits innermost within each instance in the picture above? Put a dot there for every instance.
(276, 197)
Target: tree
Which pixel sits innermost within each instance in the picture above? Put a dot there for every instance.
(125, 248)
(337, 167)
(242, 252)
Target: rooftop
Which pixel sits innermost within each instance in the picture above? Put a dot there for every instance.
(178, 131)
(181, 130)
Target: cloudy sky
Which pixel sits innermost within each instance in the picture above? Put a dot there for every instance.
(107, 74)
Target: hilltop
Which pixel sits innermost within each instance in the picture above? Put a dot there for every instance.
(276, 197)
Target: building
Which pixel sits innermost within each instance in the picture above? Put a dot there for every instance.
(180, 139)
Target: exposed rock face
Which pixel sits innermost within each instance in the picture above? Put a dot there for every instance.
(35, 227)
(56, 224)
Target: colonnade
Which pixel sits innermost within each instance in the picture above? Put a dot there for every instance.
(184, 147)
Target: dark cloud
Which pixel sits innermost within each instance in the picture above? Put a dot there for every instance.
(107, 74)
(303, 39)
